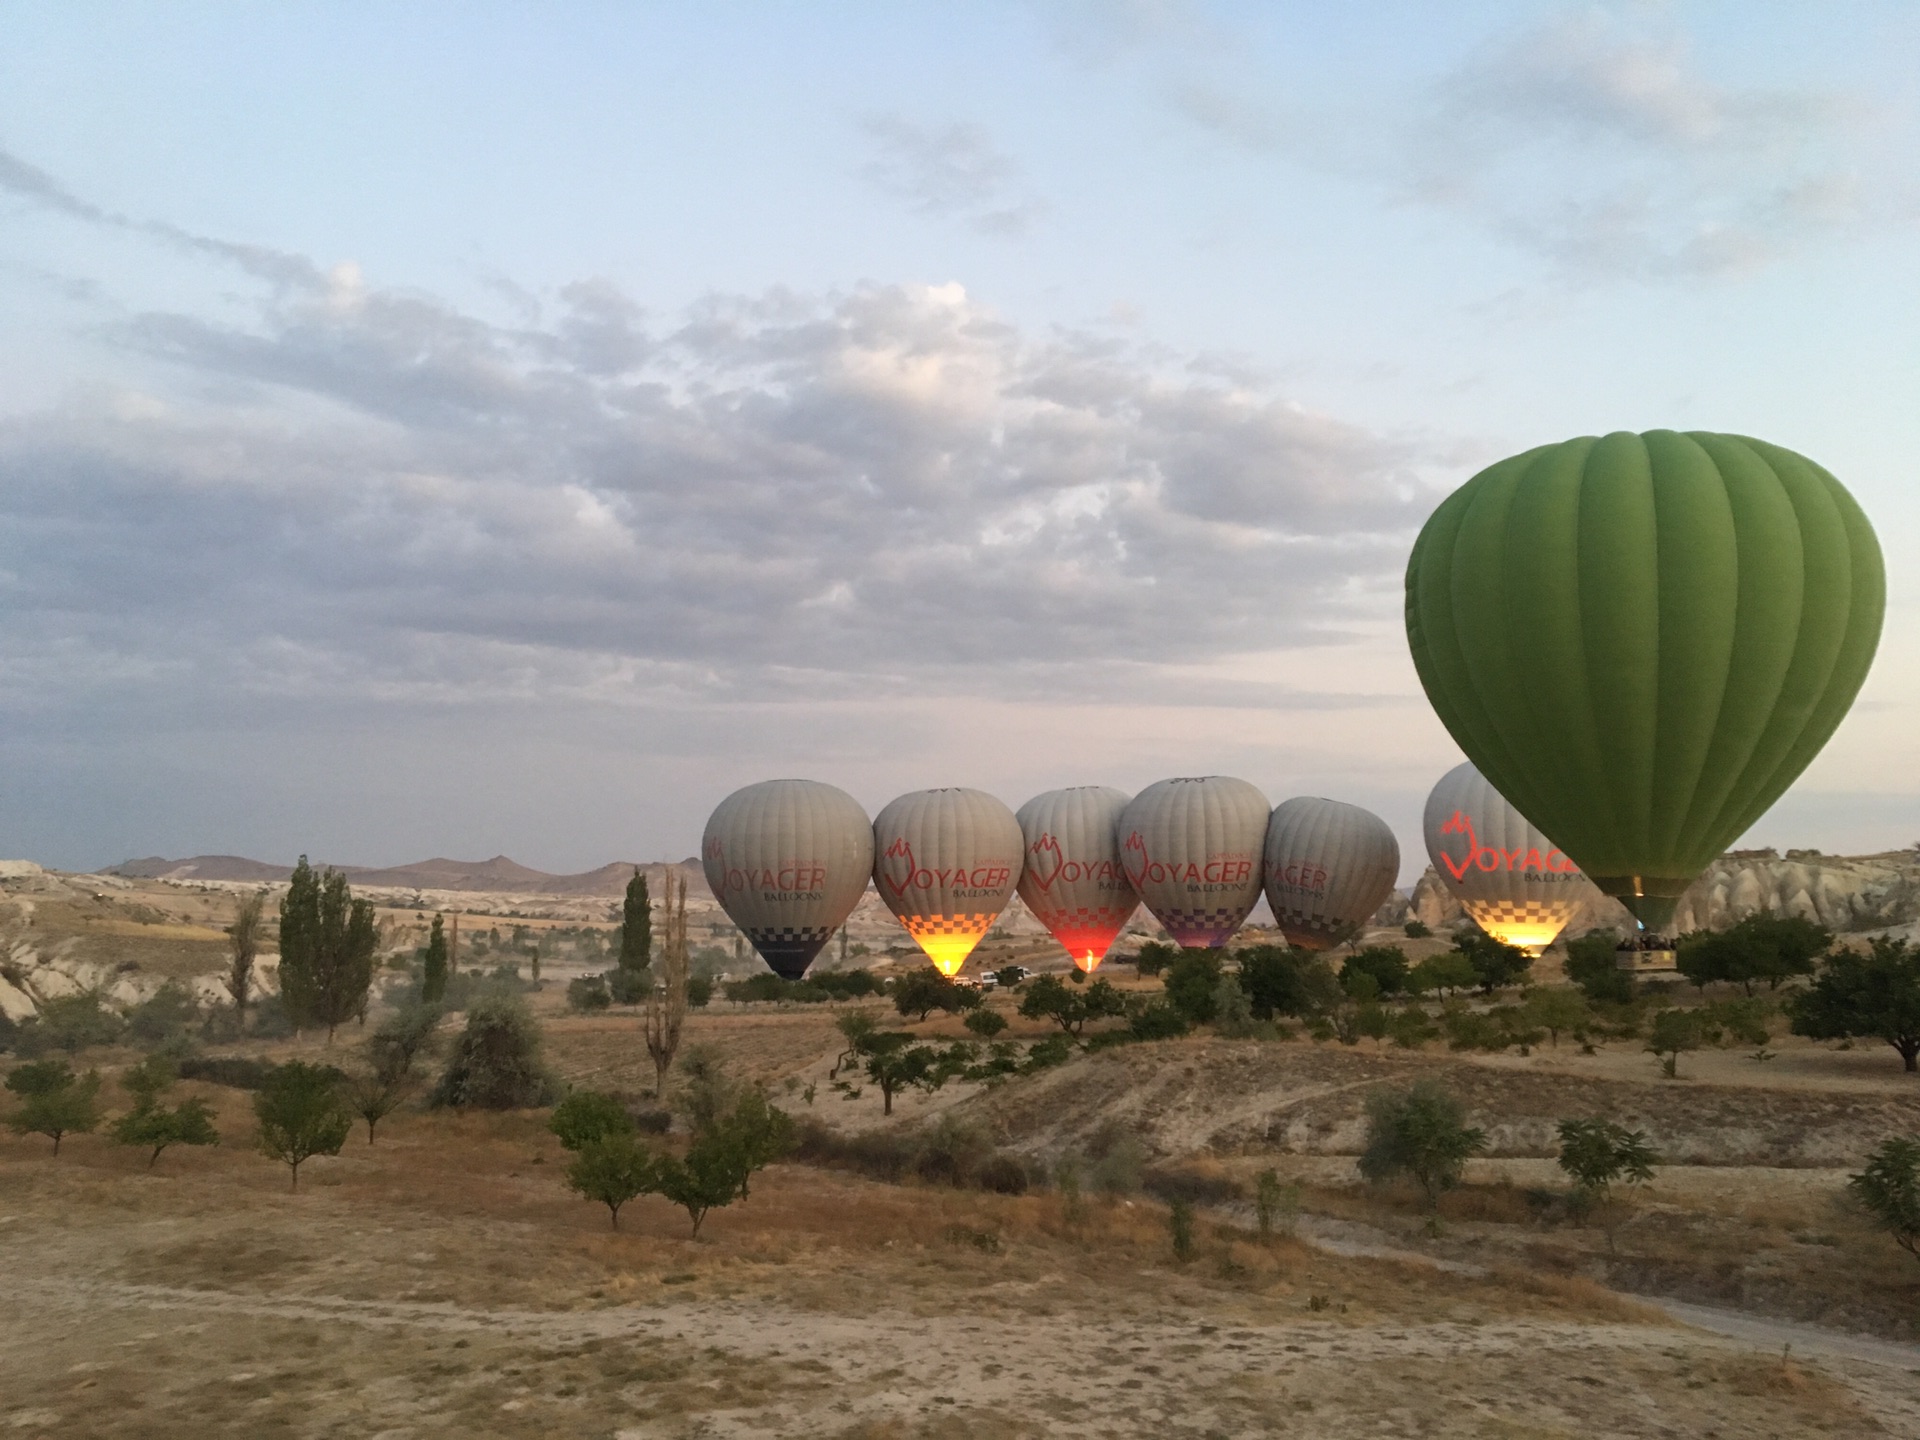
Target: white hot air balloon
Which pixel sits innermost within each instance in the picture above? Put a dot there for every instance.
(1511, 879)
(945, 862)
(1074, 881)
(1192, 849)
(788, 860)
(1329, 866)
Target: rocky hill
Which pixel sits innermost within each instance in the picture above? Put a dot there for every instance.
(1845, 893)
(499, 876)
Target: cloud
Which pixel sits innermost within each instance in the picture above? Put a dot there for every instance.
(951, 171)
(890, 490)
(1601, 143)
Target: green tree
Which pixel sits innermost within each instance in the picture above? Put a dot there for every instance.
(758, 1131)
(636, 925)
(1876, 995)
(613, 1169)
(1889, 1190)
(1416, 930)
(1155, 956)
(433, 968)
(1763, 946)
(327, 940)
(155, 1126)
(986, 1023)
(1447, 972)
(299, 940)
(1280, 980)
(301, 1114)
(71, 1023)
(920, 992)
(1672, 1033)
(390, 1075)
(893, 1061)
(1420, 1132)
(1190, 983)
(1386, 964)
(1495, 965)
(54, 1101)
(587, 1117)
(1597, 1155)
(495, 1063)
(1590, 964)
(1275, 1206)
(1047, 999)
(1555, 1010)
(243, 948)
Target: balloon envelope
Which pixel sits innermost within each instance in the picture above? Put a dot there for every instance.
(1074, 881)
(1641, 640)
(945, 862)
(1329, 866)
(1512, 880)
(1192, 848)
(788, 860)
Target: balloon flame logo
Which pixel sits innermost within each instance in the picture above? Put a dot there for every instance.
(1135, 846)
(1045, 861)
(900, 850)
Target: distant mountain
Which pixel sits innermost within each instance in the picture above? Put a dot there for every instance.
(499, 875)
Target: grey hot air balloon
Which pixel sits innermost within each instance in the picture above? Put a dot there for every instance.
(1192, 848)
(1329, 866)
(788, 860)
(1074, 881)
(945, 862)
(1511, 879)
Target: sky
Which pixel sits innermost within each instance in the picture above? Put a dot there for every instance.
(492, 428)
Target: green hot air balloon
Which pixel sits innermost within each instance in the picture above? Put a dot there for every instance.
(1641, 640)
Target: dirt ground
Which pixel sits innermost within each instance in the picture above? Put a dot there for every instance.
(444, 1281)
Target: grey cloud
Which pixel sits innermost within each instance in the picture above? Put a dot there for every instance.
(886, 491)
(951, 171)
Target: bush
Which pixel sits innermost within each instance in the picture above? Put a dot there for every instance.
(699, 991)
(1003, 1175)
(587, 1116)
(588, 994)
(1597, 1154)
(70, 1023)
(1410, 1027)
(170, 1013)
(1495, 965)
(986, 1023)
(237, 1072)
(1416, 930)
(1156, 1020)
(1888, 1189)
(627, 985)
(1190, 984)
(1196, 1183)
(1420, 1132)
(953, 1152)
(496, 1061)
(1155, 956)
(1590, 965)
(1386, 964)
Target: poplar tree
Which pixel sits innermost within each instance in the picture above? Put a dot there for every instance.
(636, 924)
(299, 939)
(433, 973)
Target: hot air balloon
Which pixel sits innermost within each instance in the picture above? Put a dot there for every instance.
(945, 862)
(1641, 640)
(1192, 849)
(1329, 866)
(1513, 881)
(1074, 881)
(788, 860)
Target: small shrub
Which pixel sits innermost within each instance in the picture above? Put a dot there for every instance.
(613, 1169)
(1156, 1020)
(234, 1071)
(1280, 980)
(1276, 1207)
(1416, 930)
(1155, 956)
(1198, 1182)
(1386, 965)
(1888, 1189)
(1672, 1033)
(170, 1013)
(588, 994)
(1191, 982)
(985, 1023)
(953, 1152)
(700, 991)
(1590, 965)
(627, 985)
(1180, 1229)
(70, 1023)
(1004, 1175)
